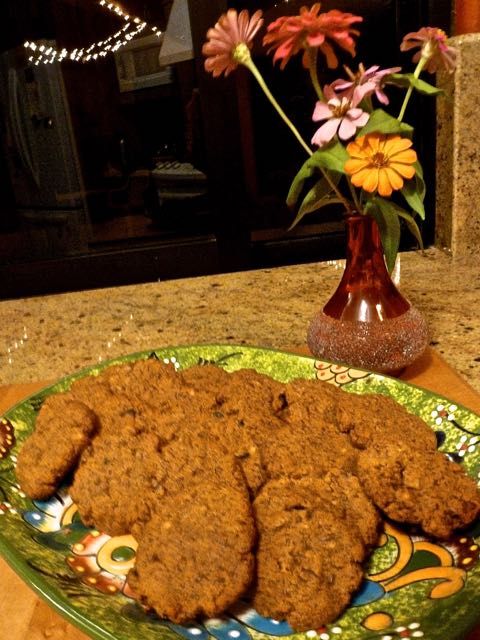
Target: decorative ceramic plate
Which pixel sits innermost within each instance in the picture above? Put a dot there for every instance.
(413, 587)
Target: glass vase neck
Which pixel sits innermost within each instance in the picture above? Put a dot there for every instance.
(366, 291)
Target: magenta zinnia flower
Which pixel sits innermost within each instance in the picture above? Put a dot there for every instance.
(230, 31)
(433, 46)
(290, 34)
(341, 115)
(364, 83)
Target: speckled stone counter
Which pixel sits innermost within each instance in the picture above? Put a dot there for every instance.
(48, 337)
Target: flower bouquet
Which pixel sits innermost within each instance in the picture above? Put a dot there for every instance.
(360, 155)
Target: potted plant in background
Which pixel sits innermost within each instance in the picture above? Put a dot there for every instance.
(361, 156)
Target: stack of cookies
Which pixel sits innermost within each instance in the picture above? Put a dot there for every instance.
(237, 485)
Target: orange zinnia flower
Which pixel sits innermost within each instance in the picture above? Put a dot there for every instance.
(224, 38)
(309, 30)
(380, 162)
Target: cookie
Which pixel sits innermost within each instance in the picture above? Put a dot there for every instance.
(420, 488)
(177, 458)
(63, 429)
(374, 419)
(206, 446)
(195, 555)
(311, 548)
(117, 483)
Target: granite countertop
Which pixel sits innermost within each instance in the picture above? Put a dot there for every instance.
(47, 337)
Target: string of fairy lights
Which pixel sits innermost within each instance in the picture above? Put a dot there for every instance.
(46, 54)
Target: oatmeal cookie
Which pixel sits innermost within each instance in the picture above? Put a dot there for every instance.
(63, 429)
(313, 537)
(374, 419)
(145, 388)
(421, 488)
(195, 554)
(206, 454)
(117, 483)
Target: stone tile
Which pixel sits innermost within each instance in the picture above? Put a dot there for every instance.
(48, 337)
(458, 152)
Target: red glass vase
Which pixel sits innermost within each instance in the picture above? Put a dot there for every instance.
(367, 323)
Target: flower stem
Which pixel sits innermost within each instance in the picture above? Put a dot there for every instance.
(312, 67)
(355, 199)
(248, 62)
(334, 188)
(258, 77)
(416, 74)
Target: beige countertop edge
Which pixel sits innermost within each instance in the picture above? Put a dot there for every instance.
(47, 337)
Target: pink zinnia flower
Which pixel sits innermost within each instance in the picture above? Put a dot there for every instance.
(434, 48)
(364, 83)
(224, 38)
(341, 115)
(290, 34)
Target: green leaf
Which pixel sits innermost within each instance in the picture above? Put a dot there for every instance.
(320, 195)
(419, 170)
(382, 122)
(421, 187)
(386, 216)
(400, 79)
(414, 191)
(306, 171)
(411, 195)
(331, 157)
(408, 79)
(412, 226)
(426, 88)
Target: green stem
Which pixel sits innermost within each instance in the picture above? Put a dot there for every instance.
(334, 188)
(312, 67)
(246, 60)
(355, 199)
(416, 74)
(258, 77)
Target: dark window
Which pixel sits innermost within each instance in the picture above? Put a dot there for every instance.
(118, 169)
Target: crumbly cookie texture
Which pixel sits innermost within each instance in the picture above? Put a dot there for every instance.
(307, 566)
(419, 488)
(195, 555)
(64, 428)
(116, 485)
(235, 484)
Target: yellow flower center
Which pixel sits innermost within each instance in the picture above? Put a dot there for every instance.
(358, 76)
(341, 110)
